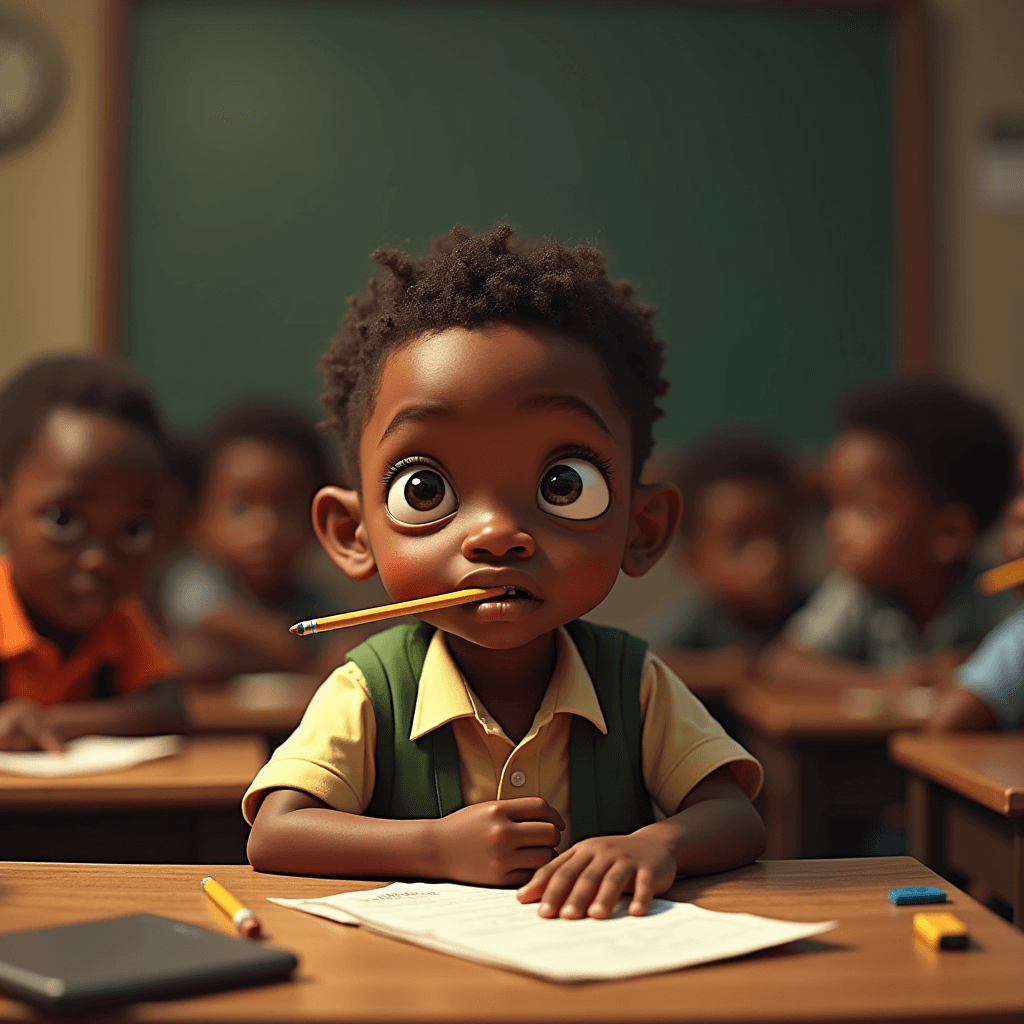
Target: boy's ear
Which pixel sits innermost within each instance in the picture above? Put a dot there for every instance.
(953, 532)
(338, 524)
(654, 518)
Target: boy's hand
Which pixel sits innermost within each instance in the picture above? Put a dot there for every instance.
(591, 876)
(501, 842)
(24, 725)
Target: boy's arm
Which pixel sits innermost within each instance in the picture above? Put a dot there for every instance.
(26, 725)
(788, 663)
(721, 667)
(961, 710)
(715, 829)
(496, 843)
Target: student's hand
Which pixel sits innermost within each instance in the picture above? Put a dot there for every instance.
(501, 842)
(25, 725)
(590, 877)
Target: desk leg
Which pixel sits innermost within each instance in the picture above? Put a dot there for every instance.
(1018, 873)
(925, 822)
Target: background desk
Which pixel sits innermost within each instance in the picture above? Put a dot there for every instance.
(817, 758)
(272, 706)
(166, 811)
(869, 968)
(965, 807)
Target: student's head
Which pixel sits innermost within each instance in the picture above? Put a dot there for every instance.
(739, 505)
(494, 401)
(262, 463)
(918, 470)
(81, 470)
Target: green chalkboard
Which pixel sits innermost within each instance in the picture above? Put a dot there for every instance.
(734, 161)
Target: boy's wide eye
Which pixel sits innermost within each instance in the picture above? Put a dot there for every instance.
(137, 537)
(61, 524)
(573, 489)
(420, 495)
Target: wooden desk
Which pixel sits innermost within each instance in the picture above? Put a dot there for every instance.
(965, 807)
(272, 706)
(166, 810)
(820, 750)
(869, 968)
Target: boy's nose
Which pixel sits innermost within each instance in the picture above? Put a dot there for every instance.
(96, 558)
(497, 536)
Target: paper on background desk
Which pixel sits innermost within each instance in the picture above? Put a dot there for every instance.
(491, 926)
(89, 755)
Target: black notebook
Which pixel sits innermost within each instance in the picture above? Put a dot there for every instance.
(124, 959)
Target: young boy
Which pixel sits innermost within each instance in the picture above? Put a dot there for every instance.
(494, 402)
(917, 472)
(81, 469)
(230, 600)
(989, 688)
(739, 511)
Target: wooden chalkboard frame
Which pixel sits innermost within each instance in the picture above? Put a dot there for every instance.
(912, 191)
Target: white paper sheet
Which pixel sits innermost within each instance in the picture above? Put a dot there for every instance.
(89, 755)
(491, 926)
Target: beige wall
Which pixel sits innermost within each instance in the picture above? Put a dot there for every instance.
(48, 204)
(978, 71)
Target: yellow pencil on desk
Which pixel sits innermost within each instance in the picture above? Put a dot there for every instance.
(391, 611)
(247, 923)
(1002, 577)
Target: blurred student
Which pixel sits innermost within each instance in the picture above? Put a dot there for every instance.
(989, 688)
(82, 464)
(230, 600)
(918, 471)
(737, 545)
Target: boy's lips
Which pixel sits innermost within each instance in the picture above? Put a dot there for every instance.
(521, 602)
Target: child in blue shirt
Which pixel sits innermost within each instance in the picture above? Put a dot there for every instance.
(989, 690)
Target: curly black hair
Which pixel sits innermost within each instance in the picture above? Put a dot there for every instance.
(91, 383)
(734, 455)
(272, 422)
(468, 280)
(958, 448)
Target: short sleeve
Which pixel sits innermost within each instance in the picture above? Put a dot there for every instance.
(996, 672)
(833, 623)
(194, 588)
(146, 659)
(682, 744)
(331, 753)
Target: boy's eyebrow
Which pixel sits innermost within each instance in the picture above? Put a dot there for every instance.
(571, 403)
(415, 414)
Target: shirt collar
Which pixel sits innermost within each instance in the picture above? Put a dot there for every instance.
(17, 635)
(444, 694)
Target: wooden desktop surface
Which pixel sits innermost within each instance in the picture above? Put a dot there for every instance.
(986, 767)
(790, 711)
(248, 706)
(211, 772)
(869, 968)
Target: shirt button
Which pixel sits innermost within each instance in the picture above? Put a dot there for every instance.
(517, 778)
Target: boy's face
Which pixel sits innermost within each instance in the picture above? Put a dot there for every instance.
(253, 515)
(877, 527)
(497, 456)
(741, 547)
(79, 514)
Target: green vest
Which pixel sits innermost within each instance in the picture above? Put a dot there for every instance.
(420, 778)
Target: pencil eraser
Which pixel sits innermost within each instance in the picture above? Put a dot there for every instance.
(941, 931)
(249, 928)
(916, 894)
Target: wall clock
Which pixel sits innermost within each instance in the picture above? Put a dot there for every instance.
(31, 81)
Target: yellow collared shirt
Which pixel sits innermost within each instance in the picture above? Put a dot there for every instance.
(331, 753)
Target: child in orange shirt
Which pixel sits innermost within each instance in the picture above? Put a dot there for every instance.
(81, 468)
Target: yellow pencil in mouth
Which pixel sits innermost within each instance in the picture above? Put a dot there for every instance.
(1002, 577)
(392, 611)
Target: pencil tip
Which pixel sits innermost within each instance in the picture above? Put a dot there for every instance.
(510, 591)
